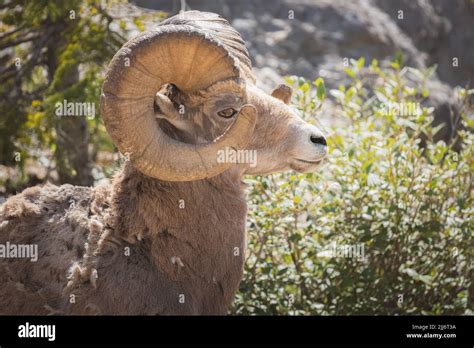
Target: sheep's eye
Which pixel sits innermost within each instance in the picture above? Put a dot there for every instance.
(227, 113)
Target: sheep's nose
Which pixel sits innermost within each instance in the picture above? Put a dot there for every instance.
(318, 139)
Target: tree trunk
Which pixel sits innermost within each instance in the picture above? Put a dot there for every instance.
(72, 140)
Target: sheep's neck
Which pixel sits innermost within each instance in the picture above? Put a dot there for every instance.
(195, 230)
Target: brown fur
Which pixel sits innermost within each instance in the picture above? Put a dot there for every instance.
(169, 254)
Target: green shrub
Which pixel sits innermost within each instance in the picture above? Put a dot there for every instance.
(404, 207)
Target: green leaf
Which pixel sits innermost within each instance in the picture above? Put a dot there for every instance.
(349, 72)
(398, 59)
(412, 273)
(320, 88)
(305, 87)
(360, 63)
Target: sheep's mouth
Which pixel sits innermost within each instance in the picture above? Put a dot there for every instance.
(309, 162)
(305, 166)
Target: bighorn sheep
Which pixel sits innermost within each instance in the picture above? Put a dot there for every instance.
(167, 236)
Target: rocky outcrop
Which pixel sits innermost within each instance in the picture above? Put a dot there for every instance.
(442, 30)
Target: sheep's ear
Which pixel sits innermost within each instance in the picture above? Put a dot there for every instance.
(283, 92)
(165, 108)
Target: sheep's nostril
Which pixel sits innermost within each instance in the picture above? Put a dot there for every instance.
(318, 139)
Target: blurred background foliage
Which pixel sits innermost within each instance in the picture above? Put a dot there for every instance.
(55, 51)
(389, 189)
(389, 186)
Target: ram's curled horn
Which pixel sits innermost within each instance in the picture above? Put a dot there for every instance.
(192, 51)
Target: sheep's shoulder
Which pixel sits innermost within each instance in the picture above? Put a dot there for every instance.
(54, 219)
